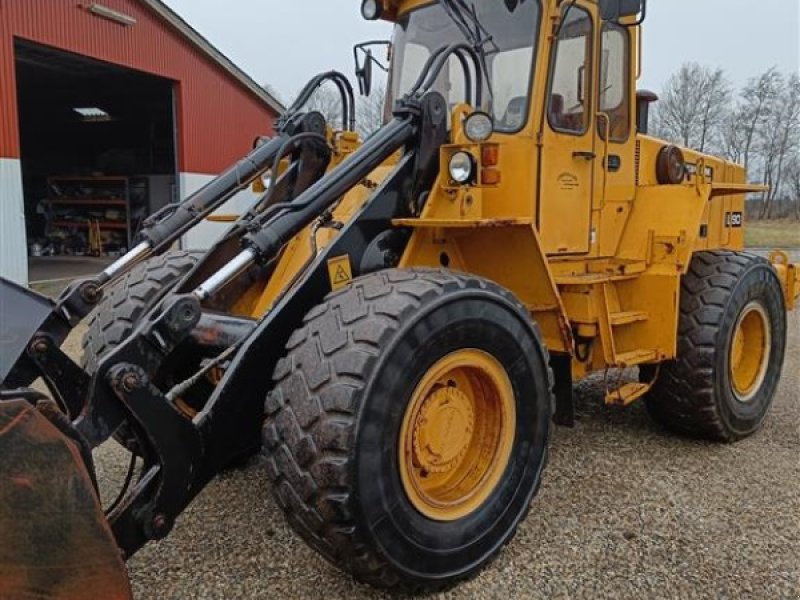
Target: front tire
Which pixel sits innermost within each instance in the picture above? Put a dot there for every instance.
(130, 298)
(123, 304)
(401, 374)
(731, 347)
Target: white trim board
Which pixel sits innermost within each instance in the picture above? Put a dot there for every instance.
(203, 235)
(13, 239)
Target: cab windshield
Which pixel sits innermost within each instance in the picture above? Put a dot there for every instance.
(509, 56)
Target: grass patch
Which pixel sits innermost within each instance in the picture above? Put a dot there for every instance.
(772, 234)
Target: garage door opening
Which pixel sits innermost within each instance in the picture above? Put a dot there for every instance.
(98, 156)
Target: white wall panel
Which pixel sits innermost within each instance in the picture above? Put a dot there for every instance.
(205, 234)
(13, 241)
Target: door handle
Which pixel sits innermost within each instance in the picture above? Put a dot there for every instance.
(584, 155)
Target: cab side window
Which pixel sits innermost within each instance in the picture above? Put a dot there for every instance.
(615, 94)
(569, 108)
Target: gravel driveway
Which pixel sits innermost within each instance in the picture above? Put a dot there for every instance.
(626, 511)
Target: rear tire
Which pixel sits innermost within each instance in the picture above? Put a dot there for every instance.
(731, 347)
(345, 395)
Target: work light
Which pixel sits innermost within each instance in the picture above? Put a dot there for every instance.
(479, 127)
(371, 10)
(462, 167)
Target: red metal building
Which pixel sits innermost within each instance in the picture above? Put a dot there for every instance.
(119, 105)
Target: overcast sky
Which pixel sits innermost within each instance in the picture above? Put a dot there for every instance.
(285, 42)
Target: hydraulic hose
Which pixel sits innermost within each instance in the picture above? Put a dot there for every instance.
(345, 92)
(438, 60)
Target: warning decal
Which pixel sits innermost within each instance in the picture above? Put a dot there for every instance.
(340, 272)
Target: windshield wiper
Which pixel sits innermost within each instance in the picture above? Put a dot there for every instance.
(466, 19)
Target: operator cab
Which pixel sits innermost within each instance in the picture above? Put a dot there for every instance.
(562, 73)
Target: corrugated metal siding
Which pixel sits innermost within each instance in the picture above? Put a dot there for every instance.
(9, 136)
(218, 118)
(13, 243)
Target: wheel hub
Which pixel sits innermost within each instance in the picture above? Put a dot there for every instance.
(750, 352)
(443, 430)
(457, 435)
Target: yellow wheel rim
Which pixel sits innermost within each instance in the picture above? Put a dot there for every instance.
(750, 352)
(457, 435)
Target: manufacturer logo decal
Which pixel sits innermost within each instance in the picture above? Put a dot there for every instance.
(568, 182)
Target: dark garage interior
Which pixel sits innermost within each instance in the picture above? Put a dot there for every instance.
(98, 156)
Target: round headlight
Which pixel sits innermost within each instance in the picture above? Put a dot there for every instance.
(462, 167)
(371, 10)
(479, 127)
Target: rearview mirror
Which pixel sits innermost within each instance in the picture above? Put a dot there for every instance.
(617, 10)
(364, 62)
(364, 74)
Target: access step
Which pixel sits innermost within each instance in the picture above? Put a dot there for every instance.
(627, 318)
(627, 394)
(634, 358)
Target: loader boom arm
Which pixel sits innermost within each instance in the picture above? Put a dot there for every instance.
(183, 453)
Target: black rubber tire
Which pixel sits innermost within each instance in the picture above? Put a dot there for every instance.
(128, 299)
(693, 394)
(333, 421)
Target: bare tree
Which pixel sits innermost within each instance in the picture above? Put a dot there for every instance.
(715, 100)
(793, 182)
(676, 112)
(778, 139)
(694, 107)
(759, 127)
(734, 138)
(327, 101)
(371, 111)
(756, 100)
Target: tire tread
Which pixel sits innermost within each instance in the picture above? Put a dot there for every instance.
(308, 443)
(683, 398)
(128, 299)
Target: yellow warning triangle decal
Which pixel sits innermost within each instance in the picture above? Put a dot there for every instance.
(341, 275)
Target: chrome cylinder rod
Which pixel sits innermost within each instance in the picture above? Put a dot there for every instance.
(123, 264)
(225, 275)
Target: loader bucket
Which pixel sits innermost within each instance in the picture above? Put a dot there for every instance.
(22, 314)
(56, 543)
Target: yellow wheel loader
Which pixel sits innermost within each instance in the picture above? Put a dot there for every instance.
(398, 321)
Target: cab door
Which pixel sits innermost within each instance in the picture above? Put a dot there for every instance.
(569, 155)
(615, 175)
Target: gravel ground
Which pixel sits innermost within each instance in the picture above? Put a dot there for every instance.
(626, 511)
